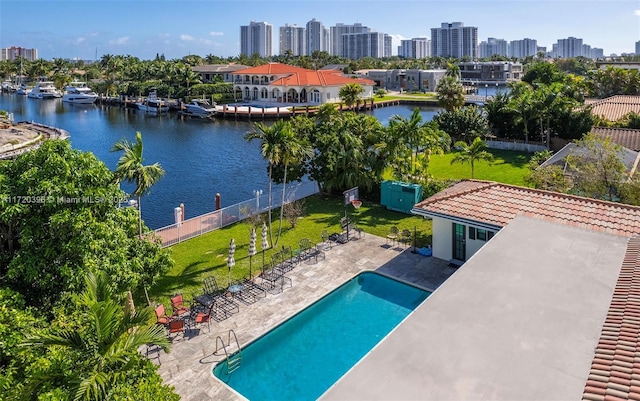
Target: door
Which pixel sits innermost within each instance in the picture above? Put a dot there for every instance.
(459, 242)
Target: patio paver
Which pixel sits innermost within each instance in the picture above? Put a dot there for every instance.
(188, 367)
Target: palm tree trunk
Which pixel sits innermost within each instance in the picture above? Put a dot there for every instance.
(270, 204)
(139, 217)
(284, 189)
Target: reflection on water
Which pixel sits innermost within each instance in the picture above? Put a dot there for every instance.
(200, 157)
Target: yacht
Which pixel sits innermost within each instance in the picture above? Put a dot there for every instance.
(23, 90)
(200, 108)
(44, 90)
(79, 93)
(152, 104)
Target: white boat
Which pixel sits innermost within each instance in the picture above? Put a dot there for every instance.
(7, 86)
(200, 108)
(78, 92)
(152, 104)
(23, 90)
(44, 90)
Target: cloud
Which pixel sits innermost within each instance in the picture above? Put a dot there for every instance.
(80, 40)
(636, 13)
(216, 33)
(187, 37)
(120, 41)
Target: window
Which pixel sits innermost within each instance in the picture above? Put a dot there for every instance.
(482, 234)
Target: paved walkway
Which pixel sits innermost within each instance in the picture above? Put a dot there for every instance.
(188, 367)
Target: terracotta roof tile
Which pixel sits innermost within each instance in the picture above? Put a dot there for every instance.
(627, 137)
(615, 370)
(616, 107)
(497, 204)
(298, 76)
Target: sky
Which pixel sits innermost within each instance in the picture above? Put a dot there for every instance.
(89, 29)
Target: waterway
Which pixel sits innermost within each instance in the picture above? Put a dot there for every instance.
(200, 158)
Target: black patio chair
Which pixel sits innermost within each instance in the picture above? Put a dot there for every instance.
(214, 296)
(273, 280)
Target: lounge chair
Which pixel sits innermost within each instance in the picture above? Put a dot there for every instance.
(223, 307)
(273, 280)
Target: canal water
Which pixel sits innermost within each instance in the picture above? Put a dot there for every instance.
(201, 158)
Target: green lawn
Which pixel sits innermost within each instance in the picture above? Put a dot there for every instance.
(206, 255)
(508, 166)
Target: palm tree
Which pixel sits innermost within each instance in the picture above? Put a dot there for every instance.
(409, 131)
(272, 150)
(130, 168)
(107, 341)
(295, 149)
(472, 153)
(350, 94)
(450, 93)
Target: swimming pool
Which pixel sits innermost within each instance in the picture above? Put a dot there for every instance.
(301, 358)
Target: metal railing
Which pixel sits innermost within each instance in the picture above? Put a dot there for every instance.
(190, 228)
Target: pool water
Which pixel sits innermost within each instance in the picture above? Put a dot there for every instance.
(307, 354)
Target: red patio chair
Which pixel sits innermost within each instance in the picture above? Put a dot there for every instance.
(179, 308)
(176, 327)
(161, 316)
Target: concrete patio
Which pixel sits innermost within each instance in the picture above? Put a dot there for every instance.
(188, 367)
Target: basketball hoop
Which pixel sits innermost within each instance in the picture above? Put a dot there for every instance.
(356, 203)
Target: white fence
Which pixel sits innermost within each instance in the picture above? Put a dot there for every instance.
(530, 147)
(199, 225)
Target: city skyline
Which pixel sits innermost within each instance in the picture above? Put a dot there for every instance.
(142, 28)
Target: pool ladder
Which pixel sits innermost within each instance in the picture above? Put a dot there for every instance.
(234, 358)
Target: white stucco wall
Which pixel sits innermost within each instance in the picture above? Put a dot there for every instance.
(442, 238)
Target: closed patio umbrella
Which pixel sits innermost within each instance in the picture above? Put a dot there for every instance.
(252, 249)
(230, 260)
(265, 243)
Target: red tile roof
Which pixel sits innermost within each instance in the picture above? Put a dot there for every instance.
(627, 137)
(615, 370)
(616, 107)
(298, 76)
(497, 204)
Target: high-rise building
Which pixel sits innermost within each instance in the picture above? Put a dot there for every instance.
(370, 44)
(454, 40)
(256, 38)
(317, 36)
(335, 35)
(492, 47)
(414, 48)
(569, 47)
(638, 48)
(523, 48)
(12, 53)
(293, 38)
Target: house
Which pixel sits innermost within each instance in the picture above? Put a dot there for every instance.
(546, 309)
(282, 83)
(405, 79)
(615, 107)
(629, 157)
(209, 72)
(625, 137)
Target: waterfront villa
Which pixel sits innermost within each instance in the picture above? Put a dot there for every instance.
(210, 72)
(282, 83)
(546, 309)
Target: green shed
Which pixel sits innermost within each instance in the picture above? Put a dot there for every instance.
(399, 196)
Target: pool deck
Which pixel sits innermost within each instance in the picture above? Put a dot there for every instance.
(188, 367)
